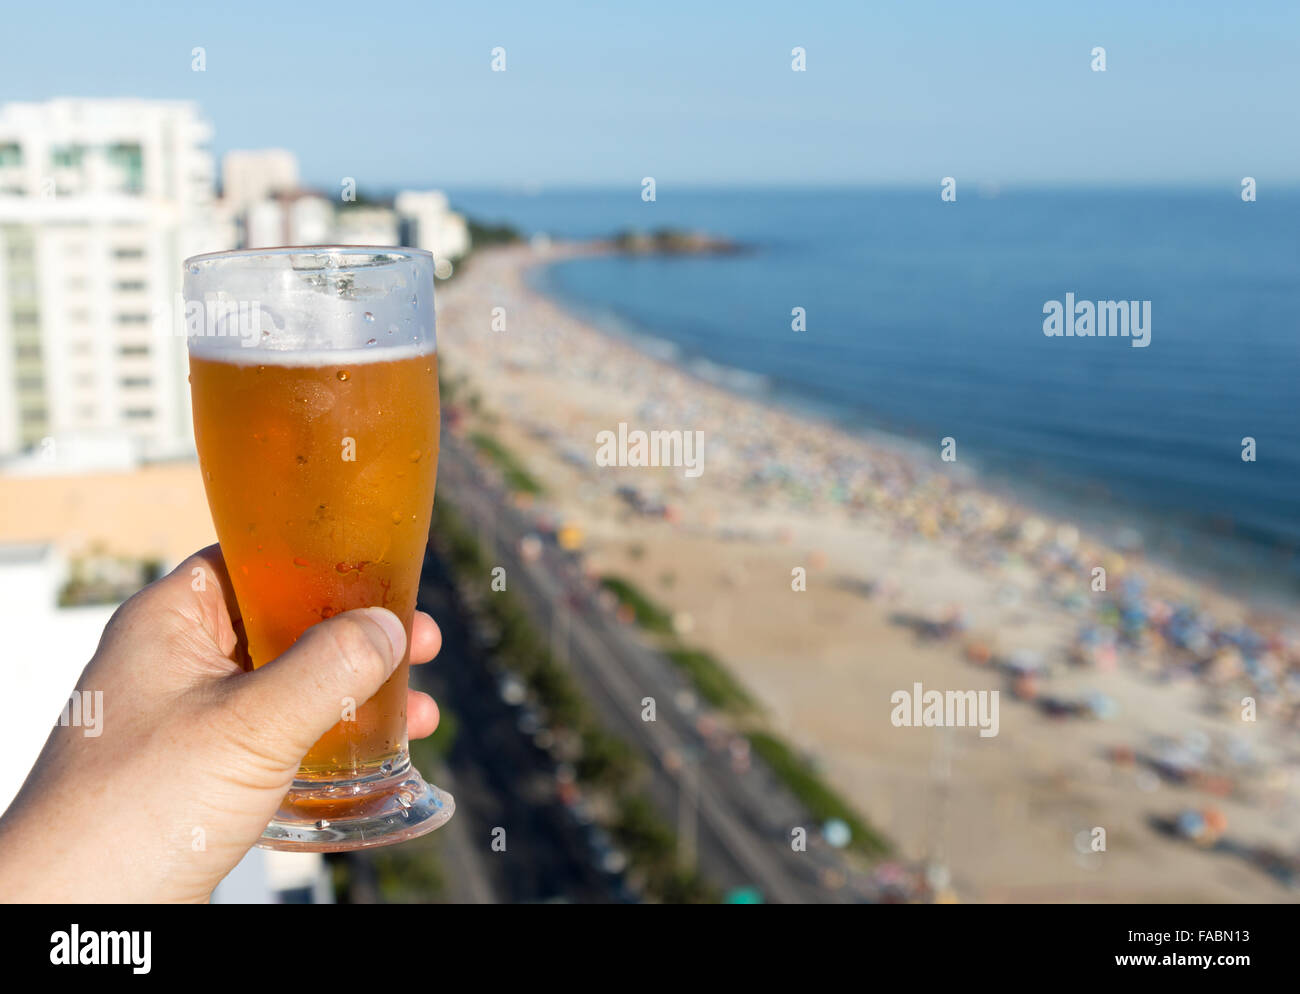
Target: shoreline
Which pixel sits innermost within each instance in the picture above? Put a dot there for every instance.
(1249, 571)
(920, 546)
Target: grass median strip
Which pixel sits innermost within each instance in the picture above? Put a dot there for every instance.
(517, 478)
(714, 682)
(820, 800)
(603, 763)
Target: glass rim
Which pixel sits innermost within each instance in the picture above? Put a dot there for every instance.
(400, 251)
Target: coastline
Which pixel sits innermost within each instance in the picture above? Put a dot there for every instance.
(913, 542)
(1264, 575)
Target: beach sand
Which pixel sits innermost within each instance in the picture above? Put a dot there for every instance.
(892, 539)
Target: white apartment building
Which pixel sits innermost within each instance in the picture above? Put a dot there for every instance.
(100, 200)
(248, 176)
(431, 224)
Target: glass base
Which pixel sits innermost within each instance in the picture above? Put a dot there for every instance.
(342, 815)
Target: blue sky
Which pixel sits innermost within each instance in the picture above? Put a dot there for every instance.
(702, 93)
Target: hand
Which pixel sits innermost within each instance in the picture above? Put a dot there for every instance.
(189, 740)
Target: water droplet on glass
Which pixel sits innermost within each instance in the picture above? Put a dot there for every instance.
(342, 374)
(322, 824)
(397, 517)
(392, 328)
(300, 561)
(370, 341)
(261, 369)
(370, 318)
(387, 768)
(193, 269)
(415, 300)
(415, 455)
(343, 567)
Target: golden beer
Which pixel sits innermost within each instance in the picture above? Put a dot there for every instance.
(320, 478)
(314, 379)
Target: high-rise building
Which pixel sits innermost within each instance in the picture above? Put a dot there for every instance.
(99, 202)
(250, 175)
(429, 223)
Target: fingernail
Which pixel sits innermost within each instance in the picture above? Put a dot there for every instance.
(393, 628)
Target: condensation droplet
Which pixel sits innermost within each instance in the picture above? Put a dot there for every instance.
(397, 517)
(342, 374)
(415, 455)
(300, 561)
(370, 318)
(371, 341)
(392, 329)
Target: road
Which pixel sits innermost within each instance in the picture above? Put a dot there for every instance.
(499, 779)
(742, 820)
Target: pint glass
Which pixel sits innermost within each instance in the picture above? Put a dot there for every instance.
(314, 379)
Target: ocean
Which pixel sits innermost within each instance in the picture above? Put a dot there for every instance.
(925, 320)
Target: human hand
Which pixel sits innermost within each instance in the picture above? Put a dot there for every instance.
(189, 740)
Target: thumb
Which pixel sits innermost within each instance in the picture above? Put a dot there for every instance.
(296, 698)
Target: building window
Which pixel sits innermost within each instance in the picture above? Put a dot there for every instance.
(32, 415)
(130, 286)
(128, 350)
(27, 351)
(136, 381)
(67, 156)
(129, 161)
(136, 318)
(128, 253)
(30, 383)
(137, 413)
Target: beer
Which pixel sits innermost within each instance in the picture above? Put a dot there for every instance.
(320, 476)
(314, 378)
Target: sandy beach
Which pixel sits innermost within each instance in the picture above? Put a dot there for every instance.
(1120, 709)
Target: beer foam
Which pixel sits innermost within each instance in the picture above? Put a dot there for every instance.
(310, 357)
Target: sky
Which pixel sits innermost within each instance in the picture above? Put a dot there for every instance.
(702, 94)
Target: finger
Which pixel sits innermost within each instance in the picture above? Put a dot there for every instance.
(426, 638)
(334, 667)
(422, 714)
(199, 589)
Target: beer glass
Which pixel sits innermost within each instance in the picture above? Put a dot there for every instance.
(314, 379)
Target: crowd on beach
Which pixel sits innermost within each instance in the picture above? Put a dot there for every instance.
(1128, 612)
